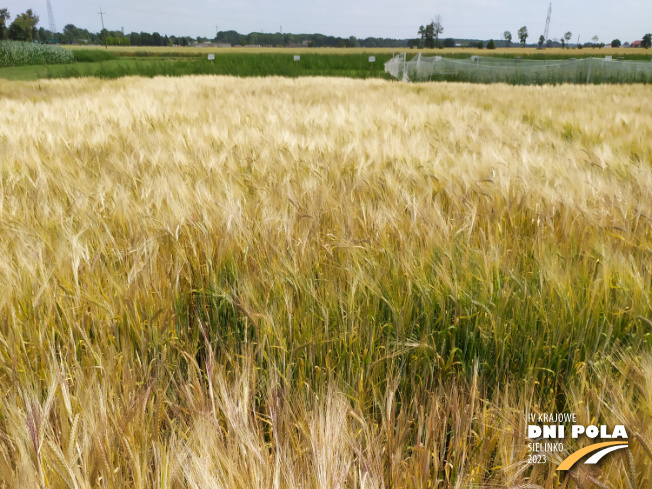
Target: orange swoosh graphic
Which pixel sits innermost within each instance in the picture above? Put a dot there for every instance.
(570, 461)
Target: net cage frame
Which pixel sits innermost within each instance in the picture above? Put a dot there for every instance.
(518, 71)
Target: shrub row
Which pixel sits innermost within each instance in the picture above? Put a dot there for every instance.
(93, 55)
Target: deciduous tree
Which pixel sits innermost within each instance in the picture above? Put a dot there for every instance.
(430, 32)
(4, 17)
(427, 35)
(437, 28)
(23, 28)
(647, 41)
(523, 35)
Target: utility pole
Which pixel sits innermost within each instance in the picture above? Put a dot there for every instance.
(102, 17)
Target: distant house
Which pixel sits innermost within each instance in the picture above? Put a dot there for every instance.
(303, 44)
(209, 44)
(636, 44)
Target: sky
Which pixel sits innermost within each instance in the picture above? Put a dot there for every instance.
(627, 20)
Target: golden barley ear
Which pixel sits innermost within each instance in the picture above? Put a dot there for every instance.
(645, 443)
(72, 437)
(596, 482)
(526, 486)
(575, 479)
(583, 480)
(631, 469)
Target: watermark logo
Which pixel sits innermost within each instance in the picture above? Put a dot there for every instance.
(548, 432)
(601, 450)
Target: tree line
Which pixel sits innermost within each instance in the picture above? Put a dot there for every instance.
(23, 28)
(311, 40)
(429, 38)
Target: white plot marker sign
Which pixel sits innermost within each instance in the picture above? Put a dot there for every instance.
(372, 59)
(297, 58)
(211, 57)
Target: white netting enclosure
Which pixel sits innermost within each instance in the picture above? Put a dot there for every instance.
(518, 71)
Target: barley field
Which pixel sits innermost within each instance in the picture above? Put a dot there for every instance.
(320, 283)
